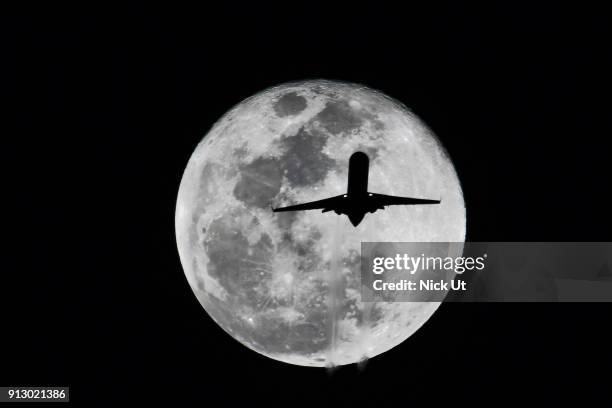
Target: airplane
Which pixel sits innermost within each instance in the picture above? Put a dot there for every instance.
(357, 201)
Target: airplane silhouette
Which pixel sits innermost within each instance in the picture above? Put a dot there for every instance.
(357, 201)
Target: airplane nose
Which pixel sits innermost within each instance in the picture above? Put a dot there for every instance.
(360, 156)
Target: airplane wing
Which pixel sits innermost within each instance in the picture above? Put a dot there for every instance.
(384, 200)
(326, 204)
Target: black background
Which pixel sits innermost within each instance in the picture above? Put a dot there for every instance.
(106, 106)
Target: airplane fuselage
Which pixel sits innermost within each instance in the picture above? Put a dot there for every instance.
(357, 203)
(359, 166)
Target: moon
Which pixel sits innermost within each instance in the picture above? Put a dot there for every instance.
(287, 285)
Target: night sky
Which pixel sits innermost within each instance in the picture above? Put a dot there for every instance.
(106, 106)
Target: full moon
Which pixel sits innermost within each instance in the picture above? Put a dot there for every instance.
(287, 285)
